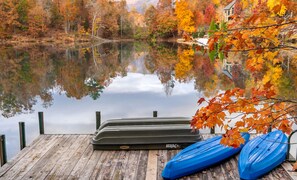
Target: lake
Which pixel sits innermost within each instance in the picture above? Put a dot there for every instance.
(125, 79)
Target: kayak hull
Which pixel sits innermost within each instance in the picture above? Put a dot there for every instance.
(199, 156)
(262, 154)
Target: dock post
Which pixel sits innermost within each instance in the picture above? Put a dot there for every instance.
(289, 147)
(41, 123)
(3, 156)
(98, 119)
(269, 128)
(22, 135)
(155, 113)
(212, 130)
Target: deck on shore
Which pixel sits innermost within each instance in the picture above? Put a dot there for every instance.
(72, 157)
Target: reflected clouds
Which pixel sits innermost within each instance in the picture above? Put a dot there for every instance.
(133, 91)
(136, 82)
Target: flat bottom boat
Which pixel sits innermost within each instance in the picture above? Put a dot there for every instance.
(199, 156)
(145, 133)
(262, 154)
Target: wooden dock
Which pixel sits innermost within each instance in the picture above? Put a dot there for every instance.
(72, 157)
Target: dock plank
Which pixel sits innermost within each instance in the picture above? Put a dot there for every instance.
(142, 165)
(91, 164)
(151, 171)
(120, 166)
(45, 164)
(72, 162)
(28, 161)
(21, 154)
(82, 162)
(130, 173)
(108, 165)
(67, 160)
(103, 164)
(162, 159)
(113, 162)
(288, 168)
(72, 157)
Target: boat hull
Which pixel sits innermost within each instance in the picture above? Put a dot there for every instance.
(199, 156)
(145, 133)
(262, 154)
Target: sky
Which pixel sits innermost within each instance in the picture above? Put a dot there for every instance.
(139, 4)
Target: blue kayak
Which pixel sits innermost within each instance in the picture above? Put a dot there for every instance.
(262, 154)
(199, 156)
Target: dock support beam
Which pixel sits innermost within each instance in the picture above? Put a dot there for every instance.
(22, 135)
(98, 119)
(289, 147)
(155, 113)
(3, 156)
(41, 123)
(212, 130)
(269, 128)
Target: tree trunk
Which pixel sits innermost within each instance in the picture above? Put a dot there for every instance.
(93, 23)
(66, 27)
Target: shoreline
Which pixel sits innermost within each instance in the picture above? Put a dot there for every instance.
(72, 40)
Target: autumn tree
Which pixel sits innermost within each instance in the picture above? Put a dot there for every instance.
(83, 14)
(164, 4)
(262, 34)
(209, 13)
(184, 17)
(69, 12)
(150, 15)
(37, 21)
(56, 18)
(166, 24)
(23, 7)
(106, 18)
(8, 17)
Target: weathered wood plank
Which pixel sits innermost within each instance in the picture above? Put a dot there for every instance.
(29, 160)
(103, 165)
(6, 167)
(121, 165)
(142, 165)
(151, 170)
(67, 160)
(90, 166)
(288, 168)
(79, 167)
(229, 170)
(109, 165)
(162, 159)
(131, 167)
(117, 161)
(59, 157)
(72, 162)
(45, 164)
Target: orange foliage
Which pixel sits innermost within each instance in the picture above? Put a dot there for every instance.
(37, 21)
(259, 111)
(184, 17)
(260, 30)
(185, 64)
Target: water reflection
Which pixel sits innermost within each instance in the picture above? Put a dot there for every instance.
(31, 72)
(69, 85)
(120, 79)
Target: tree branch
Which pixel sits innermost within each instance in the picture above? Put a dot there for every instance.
(261, 27)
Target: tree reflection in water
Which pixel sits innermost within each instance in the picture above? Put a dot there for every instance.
(28, 73)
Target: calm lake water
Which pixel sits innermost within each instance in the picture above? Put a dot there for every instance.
(120, 80)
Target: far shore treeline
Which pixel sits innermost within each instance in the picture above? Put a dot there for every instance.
(24, 20)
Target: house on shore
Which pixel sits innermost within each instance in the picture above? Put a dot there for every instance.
(229, 10)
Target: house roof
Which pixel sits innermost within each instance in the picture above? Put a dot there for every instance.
(229, 6)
